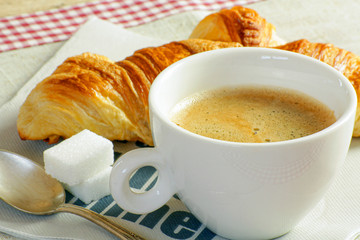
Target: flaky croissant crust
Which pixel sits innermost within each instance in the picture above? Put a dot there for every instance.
(238, 24)
(109, 98)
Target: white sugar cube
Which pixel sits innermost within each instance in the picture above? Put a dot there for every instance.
(93, 188)
(79, 157)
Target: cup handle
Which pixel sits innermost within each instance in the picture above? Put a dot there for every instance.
(148, 201)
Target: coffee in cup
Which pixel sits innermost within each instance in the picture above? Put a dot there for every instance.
(252, 114)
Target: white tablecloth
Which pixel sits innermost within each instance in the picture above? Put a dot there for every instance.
(337, 216)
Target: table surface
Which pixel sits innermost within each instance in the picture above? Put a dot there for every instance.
(321, 21)
(16, 7)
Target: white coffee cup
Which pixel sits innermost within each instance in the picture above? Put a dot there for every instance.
(240, 190)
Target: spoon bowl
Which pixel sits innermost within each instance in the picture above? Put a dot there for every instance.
(26, 186)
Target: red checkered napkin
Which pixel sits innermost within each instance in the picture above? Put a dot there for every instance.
(58, 24)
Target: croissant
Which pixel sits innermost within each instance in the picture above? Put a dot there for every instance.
(110, 98)
(238, 24)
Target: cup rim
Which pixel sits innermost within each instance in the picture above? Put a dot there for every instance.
(348, 112)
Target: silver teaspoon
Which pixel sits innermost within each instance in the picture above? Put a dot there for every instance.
(26, 186)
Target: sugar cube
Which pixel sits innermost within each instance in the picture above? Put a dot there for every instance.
(79, 157)
(93, 188)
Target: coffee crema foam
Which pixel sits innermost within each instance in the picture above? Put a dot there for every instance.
(252, 114)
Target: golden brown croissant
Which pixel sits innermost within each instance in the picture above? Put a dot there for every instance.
(238, 24)
(92, 92)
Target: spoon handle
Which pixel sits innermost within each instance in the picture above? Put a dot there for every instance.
(100, 220)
